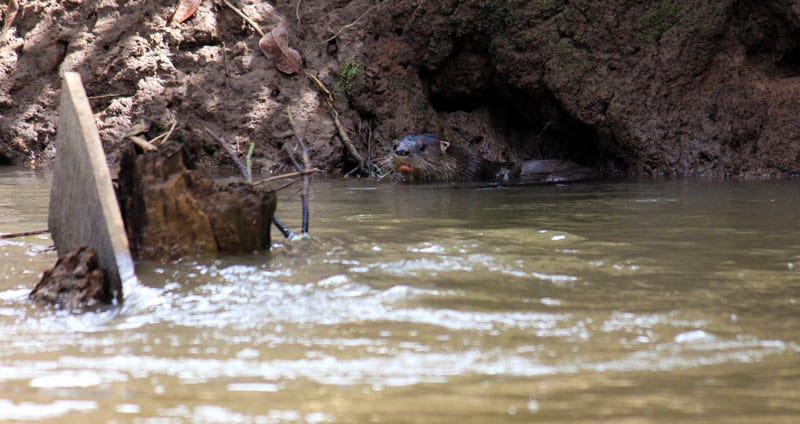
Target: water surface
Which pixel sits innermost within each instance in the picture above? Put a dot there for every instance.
(622, 301)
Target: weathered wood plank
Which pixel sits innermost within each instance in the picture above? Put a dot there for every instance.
(83, 207)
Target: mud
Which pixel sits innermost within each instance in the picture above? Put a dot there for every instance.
(662, 87)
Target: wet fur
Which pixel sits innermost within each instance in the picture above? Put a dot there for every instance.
(430, 157)
(434, 159)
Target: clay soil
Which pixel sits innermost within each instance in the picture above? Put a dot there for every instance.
(660, 87)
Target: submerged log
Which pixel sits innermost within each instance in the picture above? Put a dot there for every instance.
(171, 210)
(76, 282)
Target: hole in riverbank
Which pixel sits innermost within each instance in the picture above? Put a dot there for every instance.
(538, 127)
(769, 37)
(790, 61)
(526, 125)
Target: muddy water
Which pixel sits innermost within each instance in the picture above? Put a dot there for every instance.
(627, 301)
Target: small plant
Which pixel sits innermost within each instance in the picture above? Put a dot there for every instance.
(499, 17)
(347, 77)
(249, 162)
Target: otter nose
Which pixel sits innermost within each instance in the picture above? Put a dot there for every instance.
(401, 151)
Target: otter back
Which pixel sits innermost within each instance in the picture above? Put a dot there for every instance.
(429, 157)
(554, 170)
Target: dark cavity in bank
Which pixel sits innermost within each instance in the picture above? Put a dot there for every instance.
(532, 124)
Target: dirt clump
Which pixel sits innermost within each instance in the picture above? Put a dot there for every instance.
(75, 282)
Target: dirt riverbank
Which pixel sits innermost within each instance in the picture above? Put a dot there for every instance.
(668, 87)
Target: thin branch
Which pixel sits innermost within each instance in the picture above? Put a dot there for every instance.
(370, 165)
(346, 140)
(162, 138)
(227, 69)
(350, 24)
(304, 194)
(249, 162)
(285, 185)
(141, 142)
(351, 172)
(229, 150)
(245, 17)
(544, 129)
(310, 171)
(297, 11)
(287, 233)
(23, 234)
(339, 128)
(306, 178)
(322, 88)
(103, 96)
(295, 163)
(306, 184)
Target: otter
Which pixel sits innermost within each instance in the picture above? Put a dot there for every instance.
(429, 157)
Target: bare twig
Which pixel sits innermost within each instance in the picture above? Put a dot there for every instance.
(303, 197)
(295, 163)
(351, 172)
(302, 172)
(102, 96)
(143, 143)
(133, 135)
(335, 115)
(297, 11)
(370, 166)
(162, 138)
(346, 140)
(285, 185)
(229, 150)
(23, 234)
(544, 129)
(306, 184)
(287, 233)
(227, 69)
(245, 17)
(350, 24)
(306, 178)
(541, 133)
(321, 87)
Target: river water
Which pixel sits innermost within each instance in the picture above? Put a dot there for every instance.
(630, 301)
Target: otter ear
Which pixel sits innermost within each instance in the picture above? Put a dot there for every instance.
(444, 145)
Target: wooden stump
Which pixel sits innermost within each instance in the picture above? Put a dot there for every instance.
(172, 211)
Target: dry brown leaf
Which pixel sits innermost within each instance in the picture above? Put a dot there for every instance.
(184, 10)
(275, 45)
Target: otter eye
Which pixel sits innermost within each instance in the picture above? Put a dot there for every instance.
(422, 147)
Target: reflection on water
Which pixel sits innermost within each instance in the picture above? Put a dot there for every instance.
(636, 301)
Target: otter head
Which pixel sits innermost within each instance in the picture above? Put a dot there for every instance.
(421, 157)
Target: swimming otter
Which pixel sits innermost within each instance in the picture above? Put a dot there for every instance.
(429, 157)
